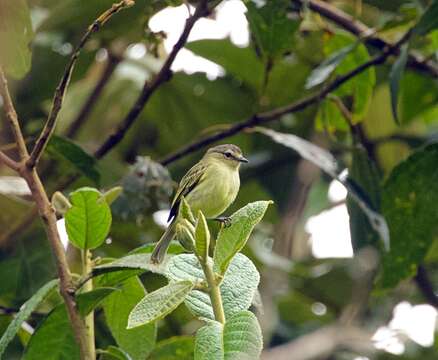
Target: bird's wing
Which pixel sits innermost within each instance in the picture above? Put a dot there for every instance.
(186, 185)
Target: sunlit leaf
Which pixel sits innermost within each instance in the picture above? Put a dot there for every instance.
(156, 305)
(231, 239)
(238, 286)
(88, 221)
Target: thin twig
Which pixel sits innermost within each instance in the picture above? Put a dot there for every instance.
(149, 87)
(6, 160)
(297, 106)
(86, 109)
(58, 98)
(11, 116)
(347, 22)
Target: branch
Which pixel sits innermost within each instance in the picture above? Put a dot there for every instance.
(5, 159)
(11, 116)
(149, 87)
(58, 98)
(347, 22)
(297, 106)
(86, 109)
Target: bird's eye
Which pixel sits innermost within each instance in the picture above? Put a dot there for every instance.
(228, 155)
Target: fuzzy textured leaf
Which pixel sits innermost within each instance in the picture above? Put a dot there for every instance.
(88, 221)
(409, 203)
(232, 239)
(237, 288)
(240, 338)
(135, 261)
(25, 310)
(158, 304)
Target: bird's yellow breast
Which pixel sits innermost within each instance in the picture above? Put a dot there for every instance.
(216, 190)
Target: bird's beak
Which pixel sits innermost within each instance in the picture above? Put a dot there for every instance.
(242, 159)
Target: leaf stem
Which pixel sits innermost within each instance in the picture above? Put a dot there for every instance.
(214, 291)
(87, 266)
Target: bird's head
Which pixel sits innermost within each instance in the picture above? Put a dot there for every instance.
(228, 154)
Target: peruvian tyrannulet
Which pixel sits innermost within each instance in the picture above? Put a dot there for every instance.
(211, 185)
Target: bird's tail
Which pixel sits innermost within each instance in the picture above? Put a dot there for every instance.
(163, 244)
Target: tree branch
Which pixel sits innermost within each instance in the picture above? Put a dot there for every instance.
(48, 216)
(5, 159)
(149, 87)
(268, 116)
(58, 98)
(347, 22)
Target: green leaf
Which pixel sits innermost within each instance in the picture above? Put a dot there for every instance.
(175, 348)
(53, 339)
(185, 212)
(91, 299)
(429, 20)
(239, 338)
(25, 311)
(88, 221)
(271, 27)
(75, 156)
(231, 239)
(138, 342)
(395, 76)
(364, 173)
(202, 237)
(112, 194)
(242, 63)
(323, 70)
(327, 162)
(360, 88)
(238, 286)
(329, 118)
(158, 304)
(409, 201)
(135, 261)
(15, 36)
(113, 353)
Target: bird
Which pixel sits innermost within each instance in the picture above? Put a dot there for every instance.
(210, 186)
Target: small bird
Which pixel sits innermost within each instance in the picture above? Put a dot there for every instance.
(211, 186)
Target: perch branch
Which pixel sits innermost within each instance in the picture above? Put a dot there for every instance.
(356, 27)
(58, 98)
(48, 216)
(268, 116)
(149, 87)
(5, 159)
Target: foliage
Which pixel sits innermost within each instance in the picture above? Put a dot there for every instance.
(319, 89)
